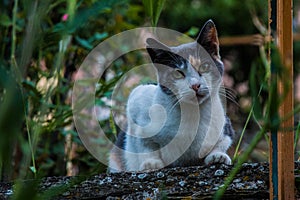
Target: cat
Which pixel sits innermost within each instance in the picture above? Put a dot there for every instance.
(180, 121)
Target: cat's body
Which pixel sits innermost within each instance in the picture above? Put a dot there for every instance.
(181, 121)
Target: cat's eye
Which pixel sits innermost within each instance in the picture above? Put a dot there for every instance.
(177, 74)
(204, 68)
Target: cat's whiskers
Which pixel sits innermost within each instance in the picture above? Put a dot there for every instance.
(175, 102)
(230, 98)
(228, 93)
(177, 99)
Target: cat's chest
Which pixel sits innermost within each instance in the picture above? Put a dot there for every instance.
(183, 128)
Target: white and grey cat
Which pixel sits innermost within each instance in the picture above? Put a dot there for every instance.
(181, 121)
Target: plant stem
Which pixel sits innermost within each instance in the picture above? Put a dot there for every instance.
(242, 134)
(243, 158)
(18, 75)
(71, 8)
(244, 128)
(13, 43)
(297, 135)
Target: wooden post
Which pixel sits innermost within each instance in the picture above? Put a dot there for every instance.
(282, 184)
(286, 181)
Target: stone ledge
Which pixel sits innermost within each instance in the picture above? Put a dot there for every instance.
(199, 182)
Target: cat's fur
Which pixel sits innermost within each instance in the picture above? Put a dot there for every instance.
(181, 121)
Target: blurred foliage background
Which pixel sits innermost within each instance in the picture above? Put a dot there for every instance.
(44, 42)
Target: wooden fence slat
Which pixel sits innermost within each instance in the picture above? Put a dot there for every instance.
(286, 180)
(283, 184)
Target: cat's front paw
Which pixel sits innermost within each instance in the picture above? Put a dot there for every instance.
(151, 164)
(217, 157)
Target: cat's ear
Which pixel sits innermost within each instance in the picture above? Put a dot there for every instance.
(208, 39)
(156, 50)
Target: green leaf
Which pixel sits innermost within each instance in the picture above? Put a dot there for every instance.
(254, 85)
(100, 36)
(112, 124)
(5, 20)
(33, 169)
(25, 190)
(84, 43)
(148, 4)
(193, 31)
(157, 10)
(153, 9)
(99, 7)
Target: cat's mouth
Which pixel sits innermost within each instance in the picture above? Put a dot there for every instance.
(202, 96)
(197, 98)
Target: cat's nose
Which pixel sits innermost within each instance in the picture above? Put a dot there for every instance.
(196, 87)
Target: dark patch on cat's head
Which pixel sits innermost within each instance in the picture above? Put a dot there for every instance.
(176, 56)
(157, 50)
(162, 54)
(208, 39)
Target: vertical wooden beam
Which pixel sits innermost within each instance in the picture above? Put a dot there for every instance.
(286, 182)
(282, 143)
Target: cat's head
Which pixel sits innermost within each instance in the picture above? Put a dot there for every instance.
(189, 70)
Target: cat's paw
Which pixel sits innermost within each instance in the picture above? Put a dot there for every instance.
(217, 157)
(151, 164)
